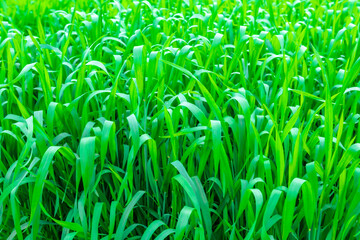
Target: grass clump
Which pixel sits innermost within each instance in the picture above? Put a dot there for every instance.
(178, 119)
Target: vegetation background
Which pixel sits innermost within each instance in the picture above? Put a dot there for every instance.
(191, 119)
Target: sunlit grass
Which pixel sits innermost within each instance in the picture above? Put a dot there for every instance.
(179, 119)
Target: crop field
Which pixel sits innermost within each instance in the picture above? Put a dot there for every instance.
(179, 119)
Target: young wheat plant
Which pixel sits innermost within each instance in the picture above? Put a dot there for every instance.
(179, 119)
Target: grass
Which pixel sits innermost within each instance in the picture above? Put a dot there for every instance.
(190, 119)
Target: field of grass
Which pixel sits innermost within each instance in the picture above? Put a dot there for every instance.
(171, 119)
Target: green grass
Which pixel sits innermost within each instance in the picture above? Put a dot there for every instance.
(192, 119)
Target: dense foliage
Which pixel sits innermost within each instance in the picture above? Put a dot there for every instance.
(192, 119)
